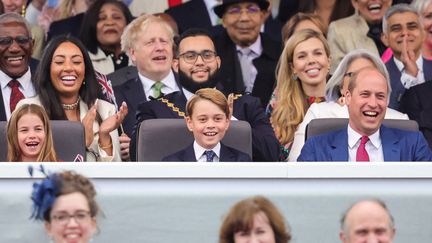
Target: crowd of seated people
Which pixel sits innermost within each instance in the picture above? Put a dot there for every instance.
(111, 64)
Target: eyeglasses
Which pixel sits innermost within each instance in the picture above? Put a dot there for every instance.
(349, 74)
(21, 40)
(79, 217)
(237, 11)
(191, 56)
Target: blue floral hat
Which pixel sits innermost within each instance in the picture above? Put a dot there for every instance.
(44, 193)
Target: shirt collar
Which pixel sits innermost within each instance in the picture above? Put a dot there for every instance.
(354, 137)
(199, 151)
(256, 47)
(401, 66)
(168, 81)
(25, 80)
(187, 93)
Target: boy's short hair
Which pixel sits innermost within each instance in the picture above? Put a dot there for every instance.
(210, 94)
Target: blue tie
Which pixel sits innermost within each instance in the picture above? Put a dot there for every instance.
(209, 155)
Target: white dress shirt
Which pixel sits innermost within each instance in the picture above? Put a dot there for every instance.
(26, 87)
(169, 82)
(407, 80)
(373, 146)
(199, 152)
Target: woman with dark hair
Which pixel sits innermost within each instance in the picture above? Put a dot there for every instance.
(254, 218)
(67, 88)
(101, 29)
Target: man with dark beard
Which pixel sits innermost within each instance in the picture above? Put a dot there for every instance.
(197, 65)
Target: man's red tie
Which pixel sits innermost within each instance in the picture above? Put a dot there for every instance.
(16, 94)
(362, 155)
(173, 3)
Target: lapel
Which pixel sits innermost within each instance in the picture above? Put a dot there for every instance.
(390, 146)
(230, 67)
(135, 91)
(226, 155)
(427, 69)
(189, 154)
(2, 108)
(339, 145)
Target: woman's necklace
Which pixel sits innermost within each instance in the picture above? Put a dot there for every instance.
(72, 106)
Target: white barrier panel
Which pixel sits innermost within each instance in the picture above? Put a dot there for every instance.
(186, 202)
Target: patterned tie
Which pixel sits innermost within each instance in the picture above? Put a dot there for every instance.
(246, 67)
(16, 94)
(209, 155)
(362, 155)
(157, 89)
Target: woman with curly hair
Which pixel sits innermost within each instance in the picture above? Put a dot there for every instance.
(66, 203)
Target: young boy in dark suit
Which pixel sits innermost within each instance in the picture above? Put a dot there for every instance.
(208, 118)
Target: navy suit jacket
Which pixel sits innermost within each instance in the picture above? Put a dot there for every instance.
(230, 70)
(265, 146)
(398, 145)
(33, 65)
(131, 92)
(417, 104)
(395, 81)
(227, 154)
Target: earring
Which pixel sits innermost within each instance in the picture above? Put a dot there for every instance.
(294, 76)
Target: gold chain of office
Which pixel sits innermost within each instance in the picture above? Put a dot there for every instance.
(181, 113)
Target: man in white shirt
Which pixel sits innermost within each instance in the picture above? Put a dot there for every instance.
(148, 40)
(365, 138)
(15, 57)
(404, 34)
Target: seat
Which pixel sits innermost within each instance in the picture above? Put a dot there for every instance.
(158, 138)
(68, 136)
(323, 125)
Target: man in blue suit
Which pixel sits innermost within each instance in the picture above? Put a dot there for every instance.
(197, 65)
(365, 139)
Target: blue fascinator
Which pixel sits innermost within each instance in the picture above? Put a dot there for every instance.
(44, 193)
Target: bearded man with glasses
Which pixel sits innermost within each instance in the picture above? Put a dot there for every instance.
(198, 66)
(16, 64)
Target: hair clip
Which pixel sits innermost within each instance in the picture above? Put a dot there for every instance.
(44, 193)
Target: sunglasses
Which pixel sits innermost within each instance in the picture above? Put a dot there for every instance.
(21, 40)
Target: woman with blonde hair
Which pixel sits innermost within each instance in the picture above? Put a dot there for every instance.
(336, 87)
(301, 77)
(29, 135)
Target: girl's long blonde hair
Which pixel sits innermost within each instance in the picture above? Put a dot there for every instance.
(47, 152)
(291, 105)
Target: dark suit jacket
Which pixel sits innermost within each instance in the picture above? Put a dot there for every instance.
(71, 25)
(395, 81)
(227, 154)
(131, 92)
(265, 146)
(122, 75)
(417, 104)
(192, 14)
(398, 145)
(33, 66)
(231, 75)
